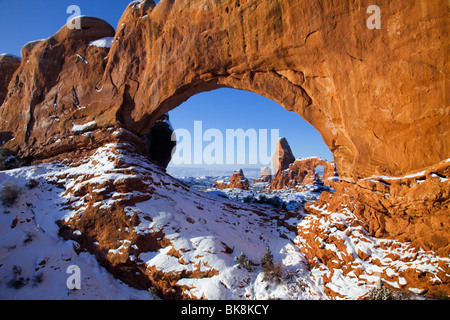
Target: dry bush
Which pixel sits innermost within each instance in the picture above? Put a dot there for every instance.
(273, 272)
(9, 194)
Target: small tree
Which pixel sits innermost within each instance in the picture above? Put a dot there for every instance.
(243, 261)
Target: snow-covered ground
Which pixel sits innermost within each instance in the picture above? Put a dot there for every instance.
(199, 235)
(258, 193)
(34, 259)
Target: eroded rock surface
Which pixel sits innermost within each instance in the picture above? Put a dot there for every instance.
(375, 103)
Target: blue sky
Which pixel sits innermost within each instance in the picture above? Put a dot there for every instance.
(226, 108)
(22, 21)
(28, 20)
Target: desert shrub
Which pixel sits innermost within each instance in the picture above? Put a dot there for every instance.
(37, 279)
(244, 261)
(154, 292)
(9, 194)
(31, 184)
(7, 159)
(17, 281)
(29, 237)
(380, 292)
(273, 272)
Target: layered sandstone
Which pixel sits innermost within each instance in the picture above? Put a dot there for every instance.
(56, 93)
(412, 208)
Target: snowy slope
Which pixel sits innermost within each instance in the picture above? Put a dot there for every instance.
(182, 240)
(34, 259)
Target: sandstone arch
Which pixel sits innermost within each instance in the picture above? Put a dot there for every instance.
(359, 88)
(376, 96)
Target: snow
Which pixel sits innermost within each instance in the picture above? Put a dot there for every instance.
(137, 4)
(103, 43)
(9, 55)
(83, 127)
(203, 233)
(35, 41)
(414, 175)
(83, 59)
(34, 258)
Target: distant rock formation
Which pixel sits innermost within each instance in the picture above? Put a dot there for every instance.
(237, 180)
(283, 156)
(265, 175)
(303, 172)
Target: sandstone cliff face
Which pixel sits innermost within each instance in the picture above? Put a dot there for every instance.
(55, 93)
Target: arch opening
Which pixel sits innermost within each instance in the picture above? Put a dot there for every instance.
(237, 114)
(203, 126)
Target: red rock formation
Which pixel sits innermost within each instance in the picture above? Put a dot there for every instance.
(237, 180)
(335, 242)
(8, 65)
(160, 57)
(283, 156)
(394, 207)
(57, 87)
(303, 171)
